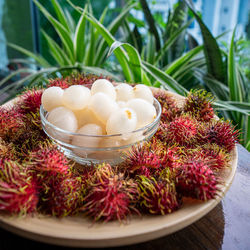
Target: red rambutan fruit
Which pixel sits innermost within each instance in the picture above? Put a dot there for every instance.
(215, 157)
(158, 196)
(47, 161)
(169, 107)
(30, 101)
(10, 123)
(62, 195)
(181, 131)
(110, 196)
(221, 133)
(197, 180)
(58, 82)
(199, 104)
(18, 191)
(142, 160)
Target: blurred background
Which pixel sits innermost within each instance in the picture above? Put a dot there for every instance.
(20, 21)
(173, 44)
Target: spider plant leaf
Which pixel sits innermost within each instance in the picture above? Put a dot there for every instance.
(60, 14)
(63, 33)
(42, 61)
(166, 81)
(79, 38)
(134, 59)
(56, 51)
(212, 51)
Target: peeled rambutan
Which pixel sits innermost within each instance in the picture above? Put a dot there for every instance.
(197, 180)
(30, 101)
(221, 133)
(62, 195)
(181, 131)
(199, 104)
(158, 196)
(110, 196)
(18, 191)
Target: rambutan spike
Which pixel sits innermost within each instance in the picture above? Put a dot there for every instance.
(199, 103)
(181, 131)
(220, 132)
(30, 101)
(18, 194)
(142, 160)
(110, 197)
(196, 179)
(158, 197)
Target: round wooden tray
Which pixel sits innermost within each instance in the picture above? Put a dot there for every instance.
(78, 231)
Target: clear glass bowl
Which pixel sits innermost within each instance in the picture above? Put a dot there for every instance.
(112, 147)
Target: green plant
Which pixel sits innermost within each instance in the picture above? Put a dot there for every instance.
(80, 49)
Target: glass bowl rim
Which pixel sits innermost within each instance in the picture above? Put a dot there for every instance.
(43, 119)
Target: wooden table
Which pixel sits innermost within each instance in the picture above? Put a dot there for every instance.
(227, 226)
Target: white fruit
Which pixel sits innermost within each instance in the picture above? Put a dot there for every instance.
(143, 92)
(121, 122)
(102, 106)
(124, 92)
(145, 111)
(52, 98)
(121, 104)
(85, 116)
(109, 143)
(103, 86)
(85, 140)
(63, 118)
(76, 97)
(136, 137)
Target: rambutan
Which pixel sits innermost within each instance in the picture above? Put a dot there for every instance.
(110, 196)
(18, 193)
(58, 82)
(10, 123)
(181, 131)
(47, 161)
(158, 196)
(142, 160)
(62, 195)
(84, 79)
(196, 179)
(30, 101)
(199, 104)
(169, 107)
(221, 133)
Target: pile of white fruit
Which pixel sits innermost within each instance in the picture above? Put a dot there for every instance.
(101, 110)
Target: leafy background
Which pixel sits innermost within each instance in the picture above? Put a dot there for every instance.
(76, 37)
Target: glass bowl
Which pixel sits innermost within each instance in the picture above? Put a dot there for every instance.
(112, 147)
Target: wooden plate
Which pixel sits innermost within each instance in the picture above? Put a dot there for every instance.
(79, 231)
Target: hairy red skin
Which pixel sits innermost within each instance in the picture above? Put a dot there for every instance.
(221, 133)
(199, 104)
(181, 131)
(158, 196)
(195, 179)
(110, 196)
(169, 108)
(11, 122)
(30, 101)
(18, 192)
(62, 195)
